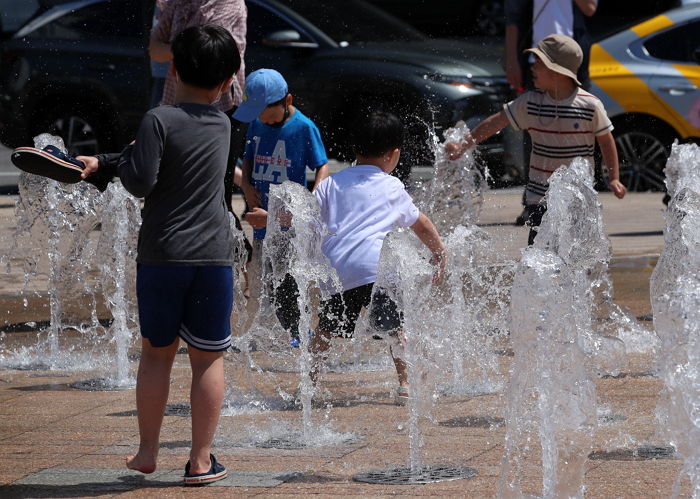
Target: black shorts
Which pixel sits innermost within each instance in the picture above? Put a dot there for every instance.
(339, 313)
(534, 219)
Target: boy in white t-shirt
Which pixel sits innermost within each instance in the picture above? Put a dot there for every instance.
(361, 205)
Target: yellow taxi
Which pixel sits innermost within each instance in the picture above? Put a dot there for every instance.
(648, 78)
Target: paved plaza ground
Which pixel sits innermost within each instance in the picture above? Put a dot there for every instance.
(57, 440)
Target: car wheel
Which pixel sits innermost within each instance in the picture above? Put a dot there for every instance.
(642, 151)
(489, 17)
(82, 132)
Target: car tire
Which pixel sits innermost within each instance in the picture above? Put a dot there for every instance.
(83, 131)
(643, 147)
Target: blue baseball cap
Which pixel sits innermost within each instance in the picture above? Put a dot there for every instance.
(262, 88)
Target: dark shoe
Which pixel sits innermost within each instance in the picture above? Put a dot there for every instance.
(522, 218)
(216, 472)
(48, 162)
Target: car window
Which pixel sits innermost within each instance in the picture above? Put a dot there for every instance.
(101, 20)
(262, 22)
(353, 21)
(14, 13)
(676, 44)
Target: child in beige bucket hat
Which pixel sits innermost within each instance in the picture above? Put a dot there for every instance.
(563, 120)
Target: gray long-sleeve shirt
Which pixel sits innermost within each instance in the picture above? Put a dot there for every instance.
(177, 164)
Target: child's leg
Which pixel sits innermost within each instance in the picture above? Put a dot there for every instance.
(320, 342)
(286, 302)
(396, 348)
(152, 387)
(206, 397)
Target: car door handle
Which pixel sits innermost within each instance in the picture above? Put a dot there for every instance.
(679, 89)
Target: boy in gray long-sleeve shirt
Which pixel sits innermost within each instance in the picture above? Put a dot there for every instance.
(184, 278)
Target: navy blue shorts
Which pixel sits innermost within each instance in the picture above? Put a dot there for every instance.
(192, 302)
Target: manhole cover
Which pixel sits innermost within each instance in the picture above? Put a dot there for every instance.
(473, 422)
(425, 474)
(280, 443)
(103, 384)
(647, 452)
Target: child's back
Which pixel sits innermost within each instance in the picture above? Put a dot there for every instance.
(360, 206)
(181, 176)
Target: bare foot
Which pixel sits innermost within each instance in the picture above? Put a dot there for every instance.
(142, 464)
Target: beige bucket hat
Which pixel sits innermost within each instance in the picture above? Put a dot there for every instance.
(559, 53)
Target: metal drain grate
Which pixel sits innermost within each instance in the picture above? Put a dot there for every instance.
(280, 443)
(647, 452)
(611, 418)
(183, 410)
(101, 384)
(643, 374)
(426, 474)
(473, 422)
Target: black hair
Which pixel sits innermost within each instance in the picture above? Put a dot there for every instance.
(375, 133)
(279, 102)
(205, 56)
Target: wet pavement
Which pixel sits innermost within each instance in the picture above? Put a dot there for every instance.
(60, 441)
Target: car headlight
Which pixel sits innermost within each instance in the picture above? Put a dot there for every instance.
(462, 83)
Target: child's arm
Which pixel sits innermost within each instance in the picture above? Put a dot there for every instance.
(251, 195)
(490, 126)
(321, 172)
(159, 51)
(609, 152)
(428, 234)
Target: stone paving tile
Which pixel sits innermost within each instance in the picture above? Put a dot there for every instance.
(123, 478)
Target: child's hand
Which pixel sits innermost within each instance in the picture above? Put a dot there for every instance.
(257, 218)
(284, 218)
(91, 163)
(618, 189)
(455, 150)
(439, 273)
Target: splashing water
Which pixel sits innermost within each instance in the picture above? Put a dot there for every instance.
(62, 217)
(455, 195)
(675, 297)
(117, 263)
(550, 390)
(295, 251)
(451, 328)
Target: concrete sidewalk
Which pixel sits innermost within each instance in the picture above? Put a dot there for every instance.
(60, 441)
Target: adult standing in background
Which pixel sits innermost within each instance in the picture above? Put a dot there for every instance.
(529, 21)
(229, 14)
(159, 70)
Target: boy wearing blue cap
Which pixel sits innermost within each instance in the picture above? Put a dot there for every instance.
(282, 143)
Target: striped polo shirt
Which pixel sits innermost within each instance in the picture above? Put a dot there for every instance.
(561, 130)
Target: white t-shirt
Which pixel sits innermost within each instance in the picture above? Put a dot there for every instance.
(361, 205)
(555, 17)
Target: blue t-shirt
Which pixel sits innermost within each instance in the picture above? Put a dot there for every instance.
(279, 154)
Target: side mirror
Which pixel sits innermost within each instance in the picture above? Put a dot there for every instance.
(287, 38)
(696, 55)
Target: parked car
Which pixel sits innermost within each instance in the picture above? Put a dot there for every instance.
(648, 78)
(75, 71)
(442, 19)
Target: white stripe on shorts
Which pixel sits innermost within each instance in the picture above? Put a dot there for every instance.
(204, 344)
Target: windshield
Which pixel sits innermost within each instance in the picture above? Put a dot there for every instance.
(353, 21)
